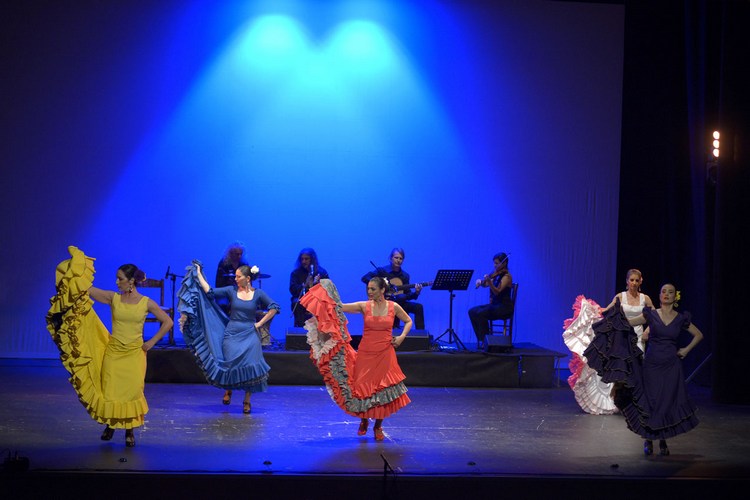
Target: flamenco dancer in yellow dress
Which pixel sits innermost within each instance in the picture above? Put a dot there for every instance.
(107, 371)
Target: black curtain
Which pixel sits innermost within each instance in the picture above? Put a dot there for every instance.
(681, 220)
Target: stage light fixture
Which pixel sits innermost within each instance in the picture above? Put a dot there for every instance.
(716, 143)
(713, 158)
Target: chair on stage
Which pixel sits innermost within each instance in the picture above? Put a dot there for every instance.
(504, 326)
(397, 322)
(150, 318)
(266, 339)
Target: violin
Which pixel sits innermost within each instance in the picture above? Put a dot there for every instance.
(488, 278)
(494, 274)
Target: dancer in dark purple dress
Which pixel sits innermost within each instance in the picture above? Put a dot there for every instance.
(664, 407)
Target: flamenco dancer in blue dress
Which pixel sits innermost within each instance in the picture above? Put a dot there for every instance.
(228, 349)
(651, 392)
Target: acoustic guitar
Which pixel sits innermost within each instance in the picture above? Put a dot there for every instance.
(396, 285)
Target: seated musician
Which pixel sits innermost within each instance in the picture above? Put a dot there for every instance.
(234, 257)
(500, 306)
(306, 274)
(397, 276)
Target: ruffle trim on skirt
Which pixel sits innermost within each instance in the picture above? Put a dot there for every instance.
(687, 421)
(683, 419)
(617, 359)
(578, 332)
(385, 410)
(82, 340)
(116, 414)
(391, 379)
(614, 352)
(198, 316)
(591, 394)
(332, 354)
(576, 366)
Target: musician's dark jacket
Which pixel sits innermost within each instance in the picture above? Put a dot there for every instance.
(225, 273)
(297, 280)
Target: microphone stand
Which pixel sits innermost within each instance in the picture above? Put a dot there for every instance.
(302, 292)
(173, 278)
(386, 469)
(378, 270)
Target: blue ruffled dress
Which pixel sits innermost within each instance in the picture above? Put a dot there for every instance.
(228, 349)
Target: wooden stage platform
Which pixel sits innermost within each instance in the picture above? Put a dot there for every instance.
(524, 366)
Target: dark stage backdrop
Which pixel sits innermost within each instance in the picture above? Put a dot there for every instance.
(158, 132)
(681, 221)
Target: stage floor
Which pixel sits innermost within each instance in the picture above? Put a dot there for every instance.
(298, 431)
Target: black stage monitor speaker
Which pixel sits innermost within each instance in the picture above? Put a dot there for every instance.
(417, 340)
(296, 340)
(498, 343)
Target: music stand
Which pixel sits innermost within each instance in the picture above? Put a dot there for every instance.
(452, 279)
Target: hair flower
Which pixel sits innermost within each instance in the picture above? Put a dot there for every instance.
(255, 270)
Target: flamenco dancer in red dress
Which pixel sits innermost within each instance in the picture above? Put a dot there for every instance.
(368, 383)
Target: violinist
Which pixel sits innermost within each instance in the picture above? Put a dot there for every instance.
(307, 273)
(500, 306)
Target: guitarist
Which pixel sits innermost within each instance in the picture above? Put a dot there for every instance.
(406, 298)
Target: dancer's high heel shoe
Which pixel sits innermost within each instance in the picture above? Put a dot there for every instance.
(648, 447)
(663, 449)
(227, 398)
(379, 436)
(363, 427)
(129, 438)
(246, 407)
(108, 433)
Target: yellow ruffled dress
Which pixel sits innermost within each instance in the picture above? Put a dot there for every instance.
(107, 372)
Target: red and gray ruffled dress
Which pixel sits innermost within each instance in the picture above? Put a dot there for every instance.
(365, 384)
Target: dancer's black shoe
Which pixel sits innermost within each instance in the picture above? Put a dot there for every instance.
(648, 447)
(663, 449)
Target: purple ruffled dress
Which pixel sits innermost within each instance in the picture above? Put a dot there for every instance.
(652, 394)
(670, 409)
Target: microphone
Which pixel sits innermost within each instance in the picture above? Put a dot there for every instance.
(166, 275)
